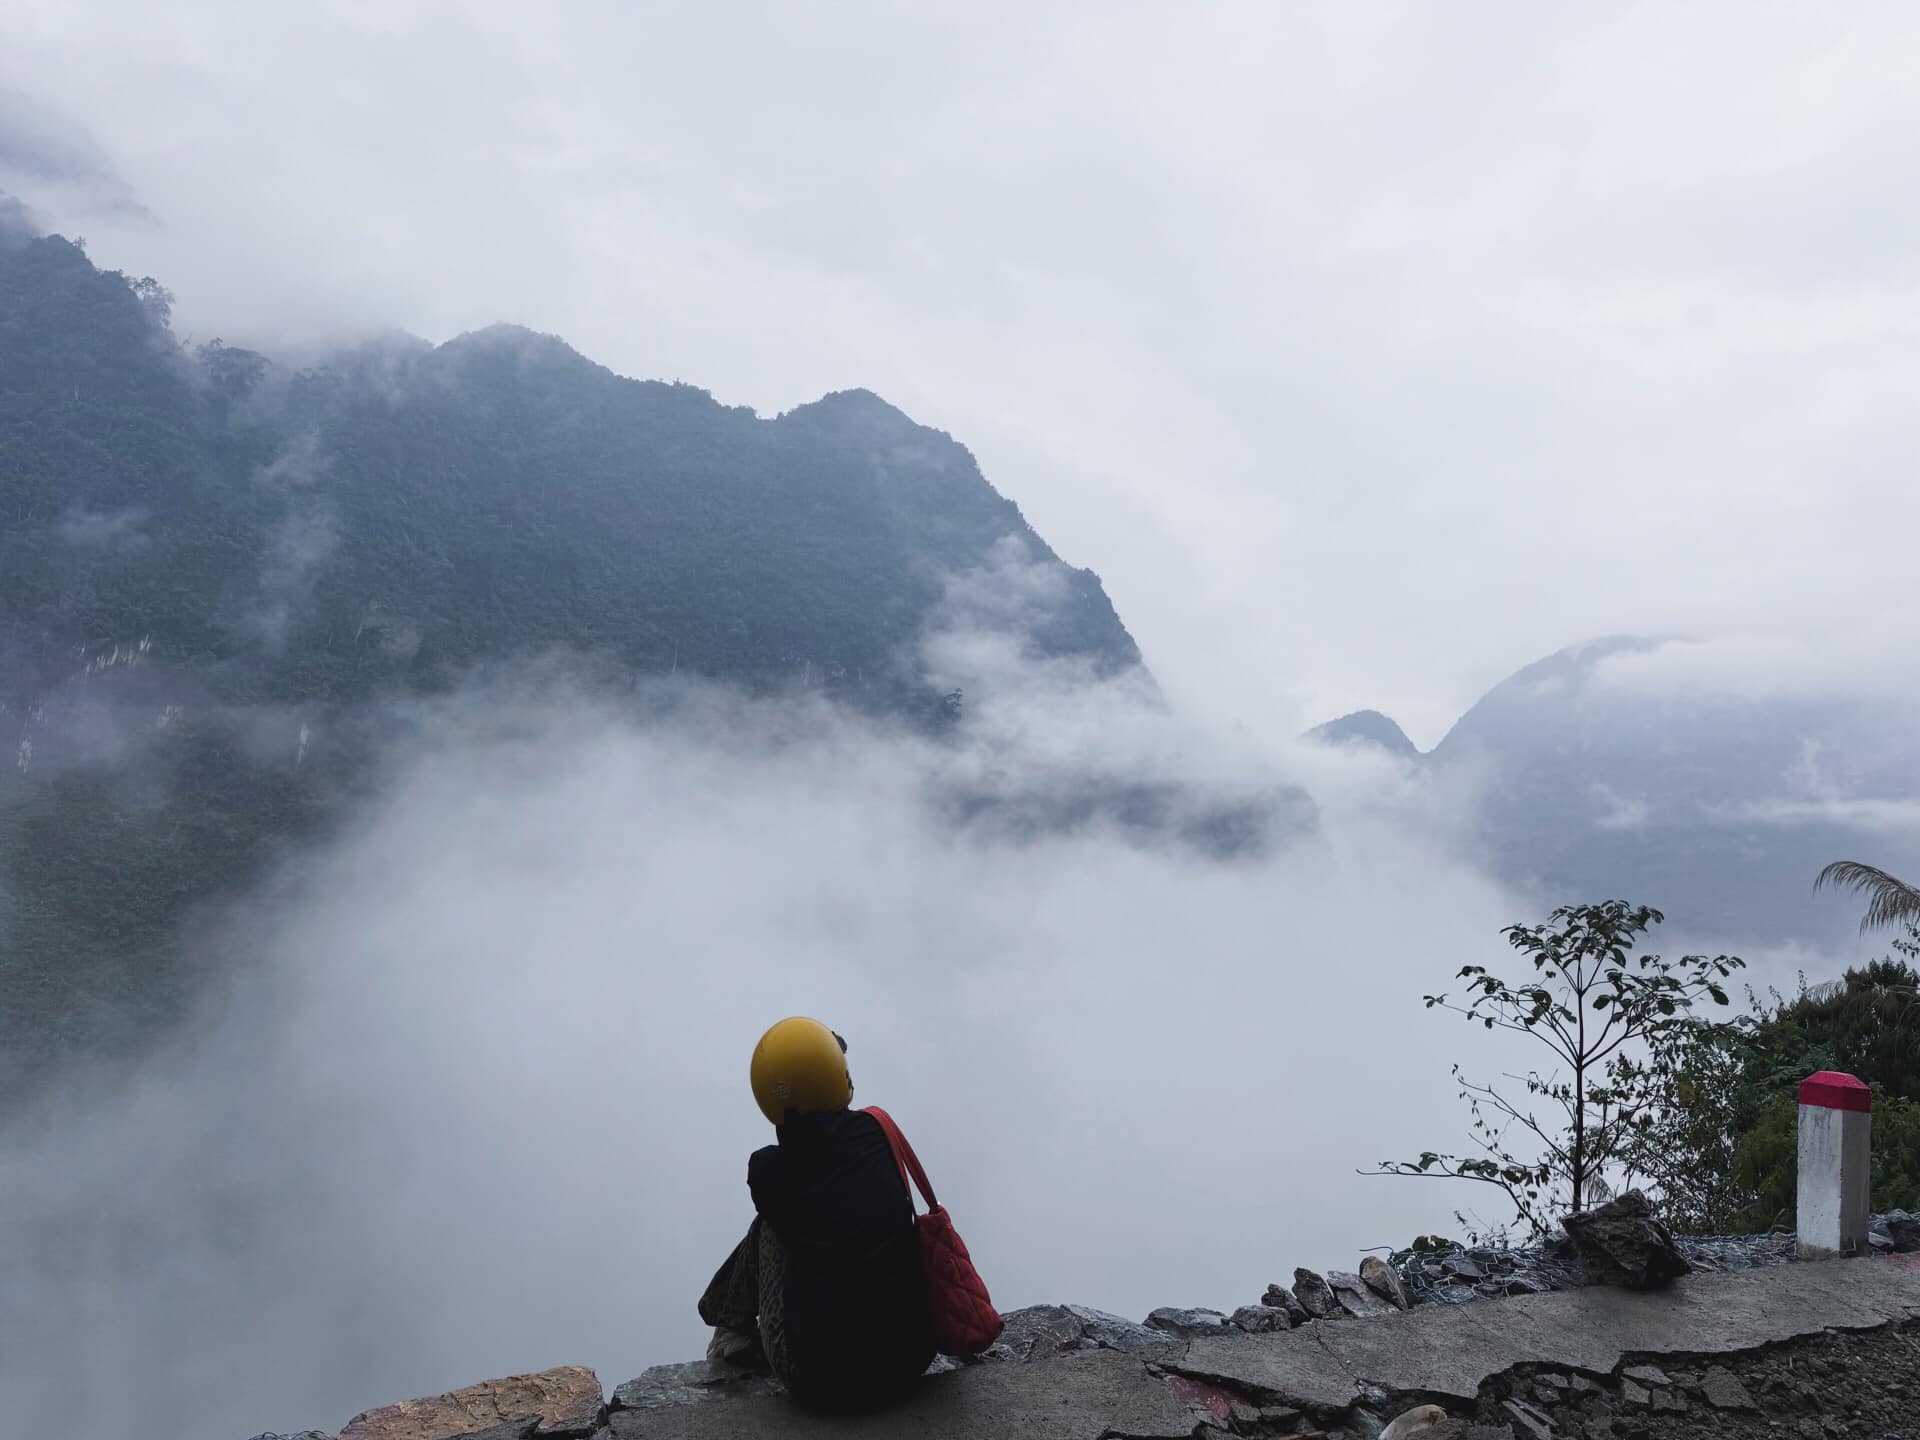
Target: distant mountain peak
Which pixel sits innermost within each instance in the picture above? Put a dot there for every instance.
(516, 340)
(1365, 727)
(859, 413)
(857, 399)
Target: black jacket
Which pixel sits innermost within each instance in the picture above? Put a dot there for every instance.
(857, 1325)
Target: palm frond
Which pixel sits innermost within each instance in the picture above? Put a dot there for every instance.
(1890, 900)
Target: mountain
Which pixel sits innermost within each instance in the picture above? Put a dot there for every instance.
(213, 569)
(1366, 727)
(1599, 776)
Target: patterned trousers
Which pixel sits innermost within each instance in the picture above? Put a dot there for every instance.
(747, 1294)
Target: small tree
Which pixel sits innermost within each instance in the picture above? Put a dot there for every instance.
(1598, 1007)
(1701, 1104)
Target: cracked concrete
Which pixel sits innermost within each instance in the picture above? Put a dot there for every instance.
(1325, 1368)
(1447, 1353)
(1100, 1393)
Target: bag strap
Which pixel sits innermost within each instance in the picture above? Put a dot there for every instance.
(910, 1172)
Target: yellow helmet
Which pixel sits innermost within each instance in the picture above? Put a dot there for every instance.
(800, 1065)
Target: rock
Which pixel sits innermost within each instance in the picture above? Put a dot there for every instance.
(1671, 1400)
(689, 1384)
(1646, 1374)
(1187, 1323)
(293, 1435)
(1040, 1331)
(1421, 1420)
(565, 1401)
(999, 1350)
(1284, 1299)
(1636, 1396)
(1724, 1392)
(1621, 1243)
(1904, 1228)
(1528, 1421)
(1261, 1319)
(1497, 1262)
(1351, 1294)
(525, 1428)
(1281, 1419)
(1384, 1281)
(1313, 1294)
(1205, 1398)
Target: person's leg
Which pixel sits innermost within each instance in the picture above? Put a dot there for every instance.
(773, 1306)
(731, 1304)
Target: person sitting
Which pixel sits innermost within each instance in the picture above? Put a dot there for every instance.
(828, 1288)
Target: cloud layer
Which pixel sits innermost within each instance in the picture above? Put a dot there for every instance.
(478, 1102)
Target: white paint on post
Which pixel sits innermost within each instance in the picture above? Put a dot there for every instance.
(1835, 1195)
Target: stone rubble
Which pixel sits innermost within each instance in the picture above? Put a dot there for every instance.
(1384, 1281)
(1279, 1298)
(693, 1383)
(1187, 1324)
(1261, 1319)
(1900, 1229)
(1043, 1330)
(1460, 1274)
(1355, 1297)
(1312, 1292)
(1720, 1389)
(563, 1402)
(1622, 1243)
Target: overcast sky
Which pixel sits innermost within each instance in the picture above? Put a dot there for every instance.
(1367, 352)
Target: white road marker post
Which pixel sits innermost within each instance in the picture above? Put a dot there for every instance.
(1835, 1190)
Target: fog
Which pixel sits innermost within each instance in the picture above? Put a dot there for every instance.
(477, 1102)
(471, 1098)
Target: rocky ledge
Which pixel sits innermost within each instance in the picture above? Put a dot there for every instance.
(1822, 1351)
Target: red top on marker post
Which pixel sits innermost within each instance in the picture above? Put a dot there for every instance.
(1836, 1090)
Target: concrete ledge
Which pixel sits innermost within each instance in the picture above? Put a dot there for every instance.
(1449, 1352)
(1324, 1368)
(1073, 1397)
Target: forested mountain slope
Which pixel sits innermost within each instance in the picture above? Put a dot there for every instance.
(212, 567)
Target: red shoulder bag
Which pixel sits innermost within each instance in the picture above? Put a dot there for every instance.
(964, 1320)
